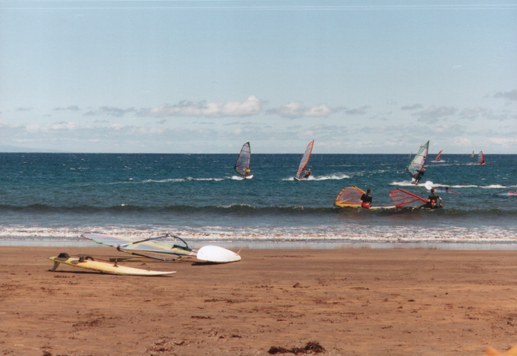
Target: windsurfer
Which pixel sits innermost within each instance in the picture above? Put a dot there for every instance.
(307, 173)
(432, 200)
(366, 199)
(419, 175)
(246, 173)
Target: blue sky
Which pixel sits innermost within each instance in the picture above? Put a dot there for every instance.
(207, 76)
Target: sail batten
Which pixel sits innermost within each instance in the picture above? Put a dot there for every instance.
(305, 158)
(419, 160)
(243, 162)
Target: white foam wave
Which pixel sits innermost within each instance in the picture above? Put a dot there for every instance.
(407, 183)
(436, 185)
(179, 180)
(169, 180)
(336, 176)
(349, 232)
(206, 179)
(237, 178)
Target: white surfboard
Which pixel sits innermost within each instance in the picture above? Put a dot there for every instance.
(217, 254)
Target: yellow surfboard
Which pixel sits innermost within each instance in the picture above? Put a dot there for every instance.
(104, 267)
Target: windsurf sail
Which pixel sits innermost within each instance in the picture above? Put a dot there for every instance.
(510, 193)
(151, 247)
(438, 157)
(349, 197)
(481, 158)
(164, 248)
(404, 199)
(305, 159)
(418, 161)
(473, 153)
(243, 162)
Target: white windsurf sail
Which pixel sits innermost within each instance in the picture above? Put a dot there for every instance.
(164, 248)
(243, 162)
(305, 159)
(418, 161)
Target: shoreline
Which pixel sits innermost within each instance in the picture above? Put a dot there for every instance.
(351, 301)
(266, 245)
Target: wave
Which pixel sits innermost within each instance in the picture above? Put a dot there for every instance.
(246, 209)
(336, 176)
(436, 185)
(178, 180)
(240, 236)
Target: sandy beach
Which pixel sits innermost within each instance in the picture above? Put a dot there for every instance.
(350, 301)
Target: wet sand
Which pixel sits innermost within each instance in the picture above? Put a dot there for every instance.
(350, 301)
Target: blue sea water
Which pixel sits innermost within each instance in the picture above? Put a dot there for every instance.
(57, 197)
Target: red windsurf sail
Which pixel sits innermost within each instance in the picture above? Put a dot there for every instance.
(305, 159)
(402, 198)
(481, 158)
(438, 157)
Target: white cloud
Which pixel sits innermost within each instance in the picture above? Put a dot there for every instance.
(251, 106)
(473, 113)
(110, 111)
(511, 95)
(432, 113)
(70, 108)
(295, 109)
(358, 111)
(412, 107)
(479, 112)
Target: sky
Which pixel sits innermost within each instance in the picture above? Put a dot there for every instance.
(208, 76)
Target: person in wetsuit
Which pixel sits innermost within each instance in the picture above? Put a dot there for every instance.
(307, 173)
(434, 200)
(366, 199)
(419, 175)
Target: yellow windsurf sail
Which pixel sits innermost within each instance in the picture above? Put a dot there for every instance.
(349, 196)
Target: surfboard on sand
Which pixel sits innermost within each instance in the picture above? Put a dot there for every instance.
(101, 266)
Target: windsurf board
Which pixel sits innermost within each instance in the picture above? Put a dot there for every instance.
(103, 267)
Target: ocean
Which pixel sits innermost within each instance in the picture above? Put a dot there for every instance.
(52, 198)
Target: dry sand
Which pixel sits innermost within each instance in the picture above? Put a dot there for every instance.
(350, 301)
